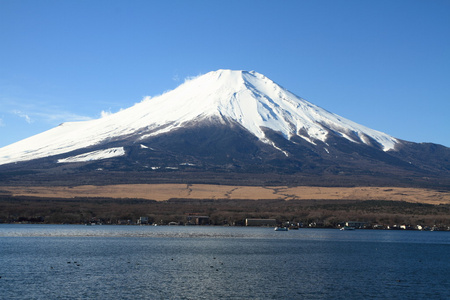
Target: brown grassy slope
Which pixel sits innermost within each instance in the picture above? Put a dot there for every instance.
(163, 192)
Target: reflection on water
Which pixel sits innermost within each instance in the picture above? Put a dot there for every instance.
(172, 262)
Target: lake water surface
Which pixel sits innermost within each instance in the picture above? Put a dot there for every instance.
(190, 262)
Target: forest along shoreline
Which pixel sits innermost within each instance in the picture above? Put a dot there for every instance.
(324, 213)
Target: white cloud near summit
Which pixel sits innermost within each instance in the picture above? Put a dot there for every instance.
(105, 113)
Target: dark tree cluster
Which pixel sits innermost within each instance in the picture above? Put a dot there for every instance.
(323, 213)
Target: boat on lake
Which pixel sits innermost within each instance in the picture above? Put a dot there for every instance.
(281, 228)
(347, 228)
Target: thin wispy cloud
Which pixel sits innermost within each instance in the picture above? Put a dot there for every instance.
(23, 115)
(40, 112)
(58, 116)
(176, 78)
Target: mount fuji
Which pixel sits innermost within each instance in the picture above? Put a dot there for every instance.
(223, 126)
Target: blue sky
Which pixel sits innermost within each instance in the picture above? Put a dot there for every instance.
(383, 64)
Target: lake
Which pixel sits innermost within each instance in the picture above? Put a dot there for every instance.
(205, 262)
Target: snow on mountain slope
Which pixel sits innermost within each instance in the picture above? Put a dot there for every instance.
(94, 155)
(248, 98)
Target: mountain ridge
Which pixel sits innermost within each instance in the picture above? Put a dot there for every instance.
(216, 128)
(248, 98)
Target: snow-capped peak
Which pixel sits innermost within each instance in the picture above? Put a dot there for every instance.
(248, 98)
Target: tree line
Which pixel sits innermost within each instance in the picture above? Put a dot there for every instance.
(318, 213)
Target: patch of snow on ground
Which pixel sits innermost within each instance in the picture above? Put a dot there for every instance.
(94, 155)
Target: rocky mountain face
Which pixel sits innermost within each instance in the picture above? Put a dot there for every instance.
(227, 127)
